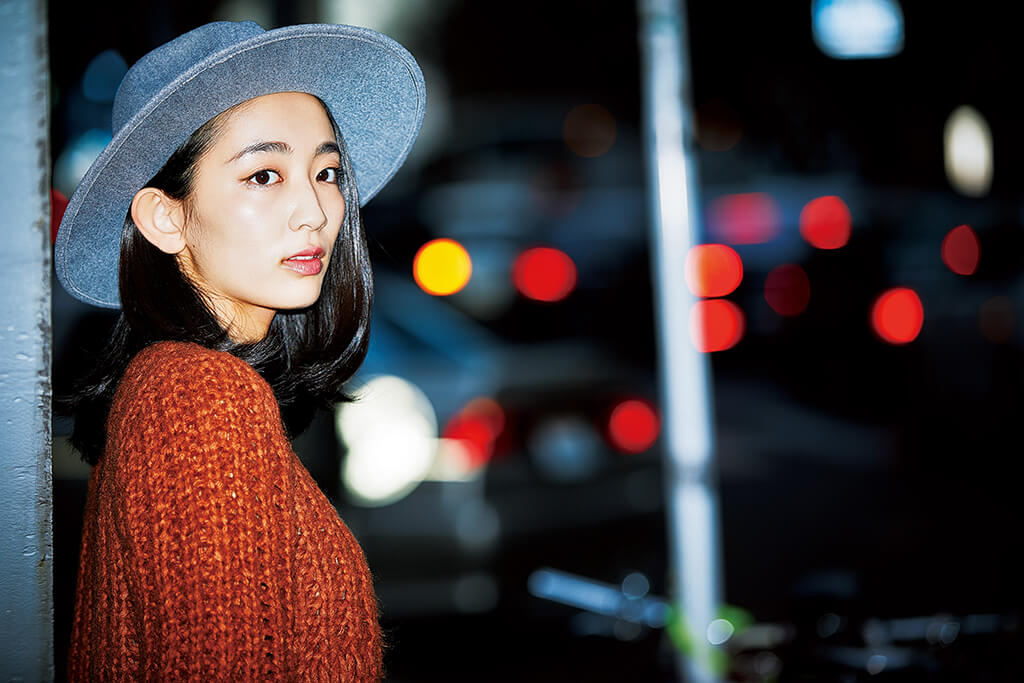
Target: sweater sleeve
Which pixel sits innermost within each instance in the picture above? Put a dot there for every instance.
(202, 467)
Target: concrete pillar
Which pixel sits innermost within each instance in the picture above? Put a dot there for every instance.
(26, 541)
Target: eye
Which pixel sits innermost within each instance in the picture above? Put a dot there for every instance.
(328, 175)
(264, 177)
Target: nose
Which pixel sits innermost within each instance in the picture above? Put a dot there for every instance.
(307, 211)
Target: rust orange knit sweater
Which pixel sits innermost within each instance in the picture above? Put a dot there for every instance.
(208, 551)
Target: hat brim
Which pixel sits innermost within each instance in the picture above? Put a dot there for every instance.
(372, 86)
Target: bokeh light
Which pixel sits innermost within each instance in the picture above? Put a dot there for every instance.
(857, 29)
(718, 126)
(589, 130)
(967, 145)
(477, 426)
(442, 267)
(897, 315)
(76, 158)
(961, 250)
(713, 270)
(58, 204)
(390, 435)
(544, 274)
(565, 448)
(453, 462)
(997, 319)
(825, 222)
(633, 426)
(787, 289)
(475, 435)
(716, 325)
(103, 76)
(719, 631)
(746, 218)
(477, 525)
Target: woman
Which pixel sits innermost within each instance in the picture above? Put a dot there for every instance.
(223, 219)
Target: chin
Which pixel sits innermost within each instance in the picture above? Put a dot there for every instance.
(299, 301)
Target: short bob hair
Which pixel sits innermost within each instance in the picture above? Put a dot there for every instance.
(307, 354)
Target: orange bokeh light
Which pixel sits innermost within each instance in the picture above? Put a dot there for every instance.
(897, 315)
(589, 130)
(544, 274)
(633, 426)
(787, 289)
(716, 325)
(961, 250)
(713, 270)
(825, 222)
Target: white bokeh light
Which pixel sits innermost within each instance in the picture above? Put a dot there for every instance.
(857, 29)
(967, 145)
(390, 432)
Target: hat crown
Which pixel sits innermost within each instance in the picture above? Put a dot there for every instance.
(159, 67)
(370, 84)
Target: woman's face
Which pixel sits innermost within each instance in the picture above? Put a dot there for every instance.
(264, 212)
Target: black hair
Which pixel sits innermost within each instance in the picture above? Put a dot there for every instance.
(306, 356)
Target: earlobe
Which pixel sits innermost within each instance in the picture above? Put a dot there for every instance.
(160, 219)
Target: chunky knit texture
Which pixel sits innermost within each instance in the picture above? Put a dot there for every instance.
(208, 551)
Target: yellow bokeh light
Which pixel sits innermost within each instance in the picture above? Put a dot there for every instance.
(442, 267)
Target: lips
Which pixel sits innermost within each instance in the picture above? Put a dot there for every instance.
(307, 262)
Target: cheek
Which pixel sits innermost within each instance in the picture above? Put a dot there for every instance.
(241, 220)
(250, 207)
(335, 210)
(333, 204)
(219, 231)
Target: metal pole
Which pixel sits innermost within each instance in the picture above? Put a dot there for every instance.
(26, 543)
(692, 500)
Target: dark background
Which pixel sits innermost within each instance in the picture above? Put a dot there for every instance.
(857, 479)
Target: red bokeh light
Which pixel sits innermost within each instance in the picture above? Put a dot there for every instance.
(825, 222)
(897, 315)
(633, 426)
(58, 204)
(713, 270)
(475, 434)
(716, 325)
(750, 218)
(478, 426)
(787, 289)
(961, 250)
(544, 274)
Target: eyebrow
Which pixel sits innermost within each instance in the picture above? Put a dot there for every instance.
(282, 148)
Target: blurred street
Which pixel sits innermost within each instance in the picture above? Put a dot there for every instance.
(867, 376)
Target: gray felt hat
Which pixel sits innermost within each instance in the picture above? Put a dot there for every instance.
(371, 84)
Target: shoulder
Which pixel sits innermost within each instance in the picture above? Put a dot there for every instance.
(181, 376)
(188, 360)
(185, 422)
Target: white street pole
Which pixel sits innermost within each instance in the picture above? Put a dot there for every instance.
(692, 500)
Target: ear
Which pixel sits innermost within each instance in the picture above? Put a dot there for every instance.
(160, 219)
